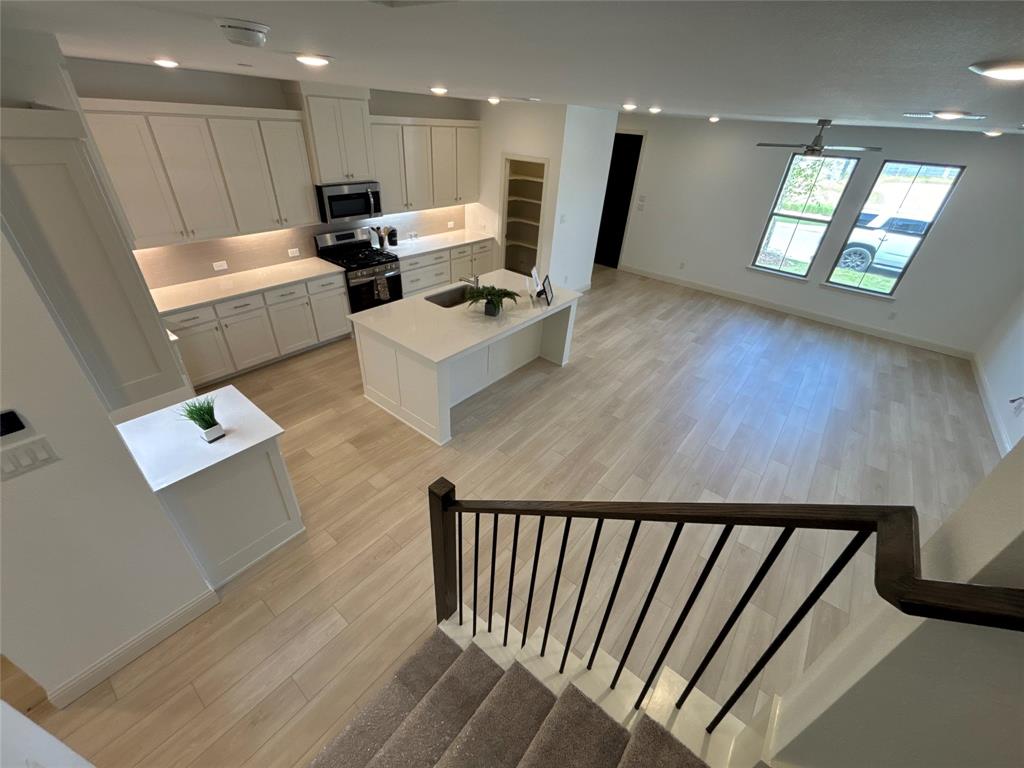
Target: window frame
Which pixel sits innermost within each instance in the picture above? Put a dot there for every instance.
(927, 230)
(772, 214)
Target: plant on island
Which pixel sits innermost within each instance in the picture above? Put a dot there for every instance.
(492, 296)
(200, 412)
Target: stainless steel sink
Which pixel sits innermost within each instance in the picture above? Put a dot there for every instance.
(450, 298)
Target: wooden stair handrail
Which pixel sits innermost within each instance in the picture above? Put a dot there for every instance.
(897, 551)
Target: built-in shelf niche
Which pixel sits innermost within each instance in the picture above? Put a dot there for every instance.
(524, 195)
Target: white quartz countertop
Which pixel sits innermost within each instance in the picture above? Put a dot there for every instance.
(437, 333)
(168, 448)
(428, 243)
(172, 298)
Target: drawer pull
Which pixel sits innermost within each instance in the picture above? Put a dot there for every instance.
(241, 306)
(326, 285)
(414, 280)
(189, 319)
(289, 293)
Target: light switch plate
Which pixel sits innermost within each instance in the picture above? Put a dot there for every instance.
(293, 253)
(451, 225)
(24, 457)
(220, 266)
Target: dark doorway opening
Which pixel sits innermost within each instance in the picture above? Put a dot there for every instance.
(617, 197)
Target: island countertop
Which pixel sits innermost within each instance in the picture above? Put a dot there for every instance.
(437, 333)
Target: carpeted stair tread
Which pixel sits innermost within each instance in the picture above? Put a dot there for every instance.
(500, 732)
(651, 746)
(436, 720)
(576, 734)
(367, 732)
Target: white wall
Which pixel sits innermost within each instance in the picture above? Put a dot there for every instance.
(582, 179)
(708, 194)
(90, 561)
(999, 363)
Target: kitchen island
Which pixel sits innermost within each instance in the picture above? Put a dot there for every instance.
(418, 359)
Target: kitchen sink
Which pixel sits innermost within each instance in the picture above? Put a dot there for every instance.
(452, 297)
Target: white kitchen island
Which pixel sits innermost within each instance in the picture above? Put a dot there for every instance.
(419, 359)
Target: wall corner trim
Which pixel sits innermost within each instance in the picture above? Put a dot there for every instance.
(989, 402)
(96, 673)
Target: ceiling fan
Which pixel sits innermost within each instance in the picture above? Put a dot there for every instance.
(817, 147)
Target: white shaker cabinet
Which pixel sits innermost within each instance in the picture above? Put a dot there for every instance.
(240, 148)
(330, 311)
(340, 129)
(250, 338)
(133, 163)
(204, 352)
(442, 152)
(389, 160)
(419, 183)
(293, 325)
(462, 267)
(289, 171)
(467, 164)
(188, 153)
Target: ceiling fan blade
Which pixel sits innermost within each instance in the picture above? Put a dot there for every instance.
(788, 146)
(853, 149)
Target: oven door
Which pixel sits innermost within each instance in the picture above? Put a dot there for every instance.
(363, 292)
(348, 202)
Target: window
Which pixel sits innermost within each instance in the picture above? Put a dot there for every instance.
(897, 216)
(803, 209)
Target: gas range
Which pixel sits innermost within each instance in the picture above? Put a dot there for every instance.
(372, 274)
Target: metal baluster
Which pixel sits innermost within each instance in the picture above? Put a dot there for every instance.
(687, 607)
(511, 579)
(554, 587)
(769, 560)
(476, 563)
(647, 601)
(830, 575)
(494, 556)
(615, 591)
(533, 581)
(460, 567)
(583, 590)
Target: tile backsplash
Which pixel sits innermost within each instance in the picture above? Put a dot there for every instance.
(172, 264)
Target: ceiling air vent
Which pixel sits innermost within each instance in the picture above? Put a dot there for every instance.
(241, 32)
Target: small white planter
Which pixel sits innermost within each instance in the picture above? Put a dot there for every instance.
(216, 432)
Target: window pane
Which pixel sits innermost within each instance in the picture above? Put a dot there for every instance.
(803, 209)
(898, 213)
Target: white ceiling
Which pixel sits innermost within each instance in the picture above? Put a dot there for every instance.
(856, 62)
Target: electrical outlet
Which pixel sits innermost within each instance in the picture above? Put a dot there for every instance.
(293, 253)
(220, 266)
(561, 219)
(451, 225)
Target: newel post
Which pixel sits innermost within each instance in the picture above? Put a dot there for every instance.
(441, 494)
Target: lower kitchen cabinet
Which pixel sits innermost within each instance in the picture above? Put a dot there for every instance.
(250, 338)
(204, 352)
(462, 267)
(330, 312)
(293, 325)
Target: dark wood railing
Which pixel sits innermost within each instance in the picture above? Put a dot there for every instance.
(897, 568)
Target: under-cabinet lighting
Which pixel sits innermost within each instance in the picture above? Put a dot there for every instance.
(629, 106)
(312, 61)
(165, 63)
(993, 134)
(439, 90)
(494, 100)
(654, 110)
(714, 119)
(999, 70)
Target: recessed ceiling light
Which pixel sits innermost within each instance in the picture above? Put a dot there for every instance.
(993, 134)
(439, 90)
(165, 63)
(494, 100)
(312, 61)
(654, 110)
(629, 106)
(714, 119)
(1000, 70)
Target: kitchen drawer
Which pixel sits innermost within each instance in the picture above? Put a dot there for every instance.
(284, 293)
(425, 260)
(482, 247)
(189, 317)
(462, 250)
(241, 304)
(428, 277)
(326, 283)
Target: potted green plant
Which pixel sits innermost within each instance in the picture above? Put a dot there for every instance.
(492, 296)
(200, 412)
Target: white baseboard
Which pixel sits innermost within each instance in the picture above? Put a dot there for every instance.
(897, 337)
(987, 399)
(87, 679)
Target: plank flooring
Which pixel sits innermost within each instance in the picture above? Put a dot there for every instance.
(671, 394)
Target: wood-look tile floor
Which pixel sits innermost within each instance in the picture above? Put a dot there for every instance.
(671, 394)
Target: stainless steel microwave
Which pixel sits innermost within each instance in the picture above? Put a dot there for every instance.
(348, 202)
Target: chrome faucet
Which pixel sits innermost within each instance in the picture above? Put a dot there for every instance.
(473, 280)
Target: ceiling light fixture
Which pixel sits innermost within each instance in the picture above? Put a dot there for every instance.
(949, 114)
(714, 119)
(312, 61)
(165, 63)
(654, 110)
(993, 134)
(439, 90)
(629, 106)
(999, 70)
(945, 114)
(494, 100)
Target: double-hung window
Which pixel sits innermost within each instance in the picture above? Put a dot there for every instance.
(804, 206)
(895, 219)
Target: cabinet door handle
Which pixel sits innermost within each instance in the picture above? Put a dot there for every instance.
(286, 220)
(414, 280)
(193, 232)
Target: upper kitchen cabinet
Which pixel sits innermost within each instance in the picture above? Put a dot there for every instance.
(467, 151)
(419, 179)
(289, 170)
(186, 146)
(133, 164)
(389, 159)
(442, 149)
(240, 148)
(340, 129)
